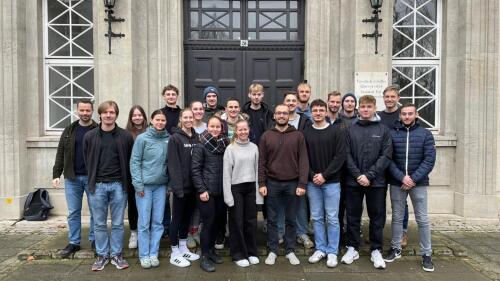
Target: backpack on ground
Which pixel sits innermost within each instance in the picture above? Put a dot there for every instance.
(37, 205)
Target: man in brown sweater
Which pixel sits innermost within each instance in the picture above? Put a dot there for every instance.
(283, 171)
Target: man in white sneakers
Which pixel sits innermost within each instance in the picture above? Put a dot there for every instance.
(369, 154)
(326, 148)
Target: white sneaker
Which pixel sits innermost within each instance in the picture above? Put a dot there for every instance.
(317, 256)
(292, 258)
(179, 261)
(332, 260)
(378, 261)
(190, 256)
(154, 261)
(242, 263)
(350, 256)
(253, 260)
(132, 242)
(145, 263)
(271, 259)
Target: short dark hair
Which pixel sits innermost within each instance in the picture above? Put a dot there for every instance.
(232, 99)
(85, 101)
(170, 87)
(318, 102)
(409, 105)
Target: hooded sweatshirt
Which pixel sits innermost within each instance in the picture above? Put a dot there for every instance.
(180, 149)
(148, 163)
(283, 156)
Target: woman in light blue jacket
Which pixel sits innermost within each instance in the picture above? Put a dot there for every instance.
(148, 166)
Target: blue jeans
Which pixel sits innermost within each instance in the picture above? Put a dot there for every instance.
(302, 219)
(167, 219)
(74, 189)
(108, 195)
(324, 203)
(281, 198)
(418, 196)
(150, 210)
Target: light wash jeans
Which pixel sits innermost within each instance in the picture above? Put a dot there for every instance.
(150, 209)
(74, 189)
(418, 196)
(108, 195)
(324, 203)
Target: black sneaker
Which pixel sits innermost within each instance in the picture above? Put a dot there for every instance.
(69, 250)
(119, 262)
(427, 264)
(100, 263)
(206, 263)
(392, 255)
(214, 257)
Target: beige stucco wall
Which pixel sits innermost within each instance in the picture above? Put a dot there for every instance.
(465, 181)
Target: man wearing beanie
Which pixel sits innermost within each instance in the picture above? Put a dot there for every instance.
(349, 112)
(211, 94)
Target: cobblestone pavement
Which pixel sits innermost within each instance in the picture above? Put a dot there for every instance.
(29, 251)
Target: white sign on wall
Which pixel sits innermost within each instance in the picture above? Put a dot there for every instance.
(371, 83)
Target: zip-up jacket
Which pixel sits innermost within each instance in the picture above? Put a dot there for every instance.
(268, 117)
(180, 151)
(148, 163)
(65, 156)
(207, 170)
(92, 150)
(414, 154)
(283, 156)
(369, 151)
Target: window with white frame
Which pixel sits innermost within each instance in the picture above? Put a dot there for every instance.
(416, 56)
(68, 59)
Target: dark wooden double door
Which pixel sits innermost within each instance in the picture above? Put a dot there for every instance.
(215, 54)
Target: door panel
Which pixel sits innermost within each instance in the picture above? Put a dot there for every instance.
(218, 68)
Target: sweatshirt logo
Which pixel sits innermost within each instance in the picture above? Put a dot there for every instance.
(376, 136)
(186, 145)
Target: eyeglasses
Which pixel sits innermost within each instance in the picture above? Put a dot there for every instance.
(285, 113)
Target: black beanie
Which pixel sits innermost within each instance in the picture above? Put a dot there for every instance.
(350, 95)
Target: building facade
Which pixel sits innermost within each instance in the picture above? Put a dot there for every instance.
(444, 54)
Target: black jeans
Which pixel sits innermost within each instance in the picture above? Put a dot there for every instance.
(213, 216)
(243, 221)
(281, 195)
(132, 209)
(182, 210)
(375, 205)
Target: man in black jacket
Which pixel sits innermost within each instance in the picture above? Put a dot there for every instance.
(107, 150)
(260, 116)
(369, 154)
(69, 160)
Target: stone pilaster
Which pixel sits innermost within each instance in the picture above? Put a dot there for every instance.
(13, 83)
(113, 72)
(476, 112)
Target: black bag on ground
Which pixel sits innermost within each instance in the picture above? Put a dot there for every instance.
(37, 205)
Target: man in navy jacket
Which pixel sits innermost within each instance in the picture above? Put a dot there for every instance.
(413, 159)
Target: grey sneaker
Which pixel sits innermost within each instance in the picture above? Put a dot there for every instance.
(392, 255)
(100, 263)
(305, 240)
(119, 262)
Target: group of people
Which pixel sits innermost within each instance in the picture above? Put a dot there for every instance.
(306, 161)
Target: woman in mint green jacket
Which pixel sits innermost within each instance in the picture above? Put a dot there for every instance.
(148, 167)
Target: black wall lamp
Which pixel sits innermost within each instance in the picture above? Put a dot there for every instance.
(376, 5)
(109, 5)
